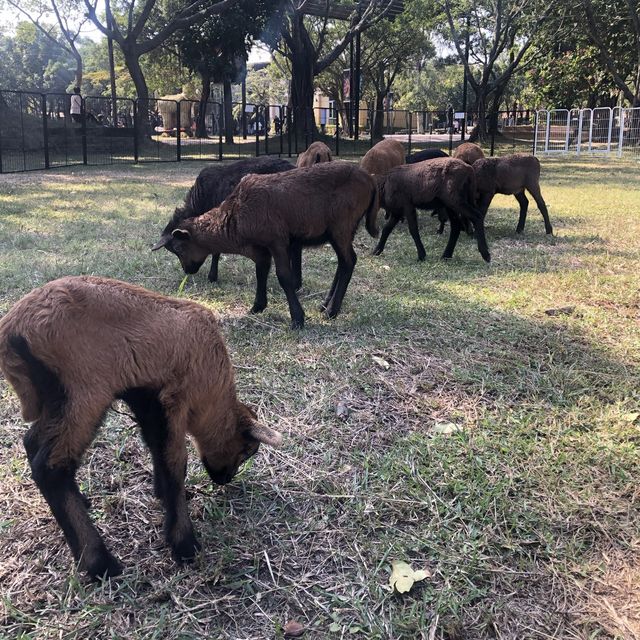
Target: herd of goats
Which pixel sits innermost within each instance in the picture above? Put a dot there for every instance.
(73, 346)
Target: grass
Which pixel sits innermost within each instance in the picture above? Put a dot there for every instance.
(526, 516)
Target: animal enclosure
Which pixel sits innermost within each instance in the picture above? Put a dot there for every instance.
(479, 421)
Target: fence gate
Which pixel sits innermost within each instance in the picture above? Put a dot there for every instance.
(594, 132)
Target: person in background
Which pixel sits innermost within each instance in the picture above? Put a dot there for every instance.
(76, 105)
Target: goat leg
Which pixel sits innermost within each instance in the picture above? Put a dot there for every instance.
(386, 230)
(213, 272)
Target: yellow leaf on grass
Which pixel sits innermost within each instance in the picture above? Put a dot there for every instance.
(403, 576)
(381, 362)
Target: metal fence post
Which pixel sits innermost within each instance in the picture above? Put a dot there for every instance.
(289, 130)
(178, 132)
(266, 130)
(45, 131)
(83, 129)
(256, 111)
(337, 137)
(135, 132)
(410, 117)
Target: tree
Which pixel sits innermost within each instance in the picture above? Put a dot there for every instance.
(306, 43)
(140, 29)
(500, 33)
(33, 62)
(389, 48)
(614, 28)
(217, 49)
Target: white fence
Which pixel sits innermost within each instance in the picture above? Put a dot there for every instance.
(594, 132)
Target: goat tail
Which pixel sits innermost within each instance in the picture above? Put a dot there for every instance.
(372, 213)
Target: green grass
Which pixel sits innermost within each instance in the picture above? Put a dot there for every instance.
(527, 517)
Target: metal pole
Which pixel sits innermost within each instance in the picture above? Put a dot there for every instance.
(464, 85)
(45, 131)
(112, 77)
(135, 131)
(220, 113)
(356, 98)
(178, 133)
(244, 107)
(351, 90)
(83, 125)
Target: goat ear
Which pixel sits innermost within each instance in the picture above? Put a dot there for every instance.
(181, 234)
(265, 435)
(161, 243)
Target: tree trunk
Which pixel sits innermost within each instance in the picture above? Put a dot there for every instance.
(302, 61)
(78, 75)
(479, 133)
(132, 61)
(228, 111)
(201, 121)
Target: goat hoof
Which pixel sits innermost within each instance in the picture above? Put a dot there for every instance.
(212, 279)
(331, 314)
(376, 252)
(421, 258)
(297, 324)
(103, 565)
(486, 256)
(447, 256)
(186, 549)
(519, 230)
(258, 308)
(549, 231)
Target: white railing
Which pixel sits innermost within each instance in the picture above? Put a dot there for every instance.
(592, 132)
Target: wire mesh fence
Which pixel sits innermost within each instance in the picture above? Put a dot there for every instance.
(38, 131)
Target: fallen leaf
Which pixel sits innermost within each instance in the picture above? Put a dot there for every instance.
(342, 411)
(381, 362)
(403, 576)
(631, 417)
(446, 428)
(334, 627)
(293, 629)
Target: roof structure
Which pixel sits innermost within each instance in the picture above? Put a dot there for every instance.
(344, 11)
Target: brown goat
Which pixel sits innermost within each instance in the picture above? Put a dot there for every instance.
(427, 185)
(76, 344)
(383, 156)
(511, 175)
(276, 215)
(316, 153)
(468, 152)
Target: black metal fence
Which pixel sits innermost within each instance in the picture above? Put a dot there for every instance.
(38, 131)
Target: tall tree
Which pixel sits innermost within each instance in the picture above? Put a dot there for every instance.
(61, 21)
(389, 47)
(500, 34)
(140, 29)
(614, 28)
(217, 49)
(305, 41)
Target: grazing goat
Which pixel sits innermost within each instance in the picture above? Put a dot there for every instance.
(215, 183)
(383, 156)
(511, 175)
(316, 153)
(277, 215)
(468, 152)
(76, 344)
(426, 154)
(423, 156)
(425, 185)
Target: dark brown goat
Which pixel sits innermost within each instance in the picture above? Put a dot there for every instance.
(276, 215)
(76, 344)
(316, 153)
(426, 185)
(468, 152)
(214, 183)
(511, 175)
(383, 156)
